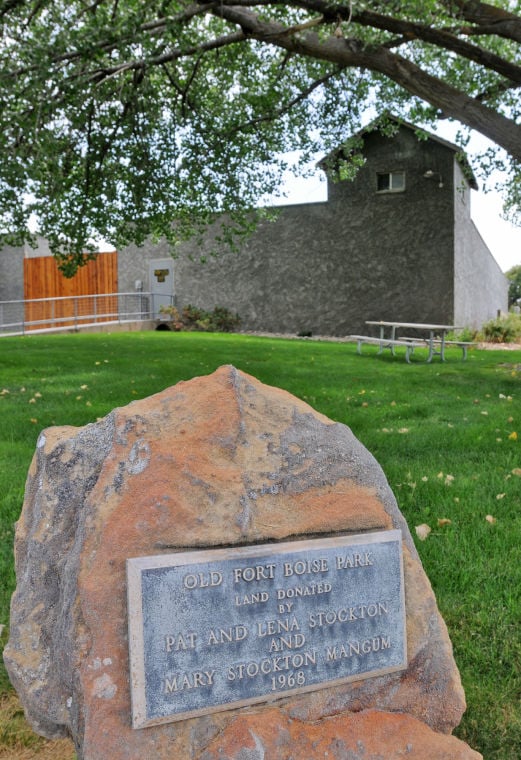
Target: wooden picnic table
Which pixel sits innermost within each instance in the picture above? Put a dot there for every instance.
(435, 338)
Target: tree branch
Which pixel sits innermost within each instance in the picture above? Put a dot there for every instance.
(442, 39)
(98, 75)
(495, 90)
(287, 106)
(489, 19)
(183, 91)
(409, 30)
(155, 27)
(8, 5)
(351, 53)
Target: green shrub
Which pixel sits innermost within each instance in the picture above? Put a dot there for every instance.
(503, 329)
(224, 321)
(467, 334)
(176, 323)
(191, 318)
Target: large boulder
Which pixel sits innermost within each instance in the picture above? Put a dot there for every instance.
(367, 735)
(218, 460)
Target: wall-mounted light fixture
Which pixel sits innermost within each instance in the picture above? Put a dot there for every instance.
(430, 174)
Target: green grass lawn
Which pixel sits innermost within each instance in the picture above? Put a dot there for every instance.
(448, 437)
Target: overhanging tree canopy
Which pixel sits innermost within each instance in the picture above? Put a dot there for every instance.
(119, 116)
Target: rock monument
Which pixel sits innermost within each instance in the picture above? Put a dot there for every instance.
(218, 571)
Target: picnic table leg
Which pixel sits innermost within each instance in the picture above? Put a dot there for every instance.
(442, 346)
(381, 344)
(384, 340)
(429, 343)
(432, 349)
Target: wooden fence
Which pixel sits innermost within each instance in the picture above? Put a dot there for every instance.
(43, 280)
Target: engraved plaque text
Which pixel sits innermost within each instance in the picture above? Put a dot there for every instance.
(215, 629)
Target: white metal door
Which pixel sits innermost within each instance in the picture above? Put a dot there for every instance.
(161, 278)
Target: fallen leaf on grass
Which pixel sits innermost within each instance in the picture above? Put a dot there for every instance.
(442, 521)
(500, 496)
(491, 519)
(512, 436)
(422, 531)
(517, 471)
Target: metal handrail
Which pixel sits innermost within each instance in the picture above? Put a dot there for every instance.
(19, 317)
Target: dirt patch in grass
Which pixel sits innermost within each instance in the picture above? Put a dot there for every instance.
(19, 742)
(47, 750)
(500, 346)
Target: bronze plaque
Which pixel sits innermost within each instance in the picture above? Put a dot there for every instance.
(217, 629)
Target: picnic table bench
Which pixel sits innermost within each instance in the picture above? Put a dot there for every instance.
(463, 344)
(435, 342)
(410, 344)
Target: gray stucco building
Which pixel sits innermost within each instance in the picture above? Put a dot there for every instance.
(397, 243)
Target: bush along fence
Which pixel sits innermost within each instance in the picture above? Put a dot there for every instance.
(192, 319)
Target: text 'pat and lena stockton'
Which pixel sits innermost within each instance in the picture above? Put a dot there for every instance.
(292, 639)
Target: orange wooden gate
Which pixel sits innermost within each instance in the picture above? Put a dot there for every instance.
(52, 299)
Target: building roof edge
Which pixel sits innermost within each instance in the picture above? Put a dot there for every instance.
(374, 126)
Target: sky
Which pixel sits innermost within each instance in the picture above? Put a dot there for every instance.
(502, 238)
